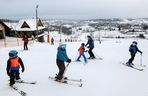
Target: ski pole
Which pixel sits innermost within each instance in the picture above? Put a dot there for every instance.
(141, 59)
(97, 55)
(65, 72)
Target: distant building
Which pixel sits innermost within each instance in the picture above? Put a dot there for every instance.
(4, 30)
(24, 26)
(29, 27)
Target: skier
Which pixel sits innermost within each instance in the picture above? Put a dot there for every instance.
(52, 41)
(61, 58)
(90, 42)
(13, 65)
(25, 39)
(81, 53)
(133, 50)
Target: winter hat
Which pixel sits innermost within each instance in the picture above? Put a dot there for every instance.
(83, 44)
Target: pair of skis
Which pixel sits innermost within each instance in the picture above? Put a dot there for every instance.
(95, 58)
(21, 92)
(25, 82)
(141, 68)
(73, 82)
(76, 82)
(90, 59)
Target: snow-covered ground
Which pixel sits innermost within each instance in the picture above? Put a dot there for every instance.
(11, 42)
(107, 77)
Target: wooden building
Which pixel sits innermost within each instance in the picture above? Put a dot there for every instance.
(5, 30)
(29, 27)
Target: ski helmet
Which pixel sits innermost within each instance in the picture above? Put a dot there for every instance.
(13, 53)
(62, 45)
(88, 36)
(135, 42)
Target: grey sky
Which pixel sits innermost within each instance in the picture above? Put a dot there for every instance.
(74, 9)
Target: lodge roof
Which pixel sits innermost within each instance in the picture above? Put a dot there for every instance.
(29, 25)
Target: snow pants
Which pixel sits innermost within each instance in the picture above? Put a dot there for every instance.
(61, 67)
(25, 46)
(14, 75)
(132, 58)
(91, 53)
(83, 57)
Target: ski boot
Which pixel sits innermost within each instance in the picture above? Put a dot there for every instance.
(19, 80)
(13, 86)
(78, 60)
(129, 64)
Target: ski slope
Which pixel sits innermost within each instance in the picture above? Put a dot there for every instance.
(107, 77)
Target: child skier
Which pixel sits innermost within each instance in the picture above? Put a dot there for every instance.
(81, 53)
(133, 50)
(25, 39)
(13, 65)
(52, 41)
(61, 58)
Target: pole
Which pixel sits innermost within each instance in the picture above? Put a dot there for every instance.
(48, 36)
(141, 62)
(37, 21)
(16, 36)
(4, 38)
(65, 72)
(60, 32)
(99, 37)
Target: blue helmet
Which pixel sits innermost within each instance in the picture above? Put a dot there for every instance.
(13, 53)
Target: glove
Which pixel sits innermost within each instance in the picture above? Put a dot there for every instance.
(141, 52)
(23, 70)
(69, 60)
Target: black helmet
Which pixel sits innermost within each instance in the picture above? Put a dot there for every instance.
(135, 42)
(88, 36)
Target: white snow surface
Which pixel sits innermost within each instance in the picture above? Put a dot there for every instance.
(107, 77)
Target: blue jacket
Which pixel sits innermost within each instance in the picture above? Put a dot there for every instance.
(133, 49)
(61, 54)
(90, 42)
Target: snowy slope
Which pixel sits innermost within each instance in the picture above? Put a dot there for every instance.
(105, 77)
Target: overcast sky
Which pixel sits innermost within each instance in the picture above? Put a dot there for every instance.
(74, 9)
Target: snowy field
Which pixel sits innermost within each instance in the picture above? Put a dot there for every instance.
(107, 77)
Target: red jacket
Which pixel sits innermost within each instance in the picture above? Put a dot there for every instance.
(81, 50)
(25, 40)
